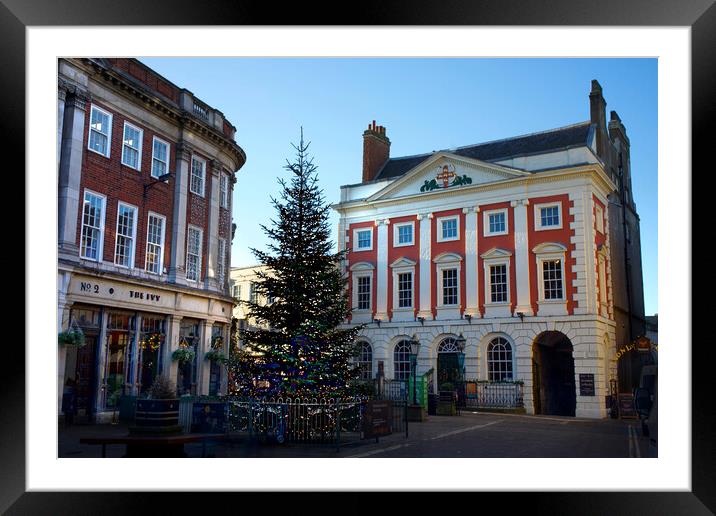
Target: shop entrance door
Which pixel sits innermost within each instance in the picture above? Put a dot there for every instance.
(86, 378)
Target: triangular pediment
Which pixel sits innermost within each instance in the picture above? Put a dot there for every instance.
(446, 172)
(403, 262)
(495, 252)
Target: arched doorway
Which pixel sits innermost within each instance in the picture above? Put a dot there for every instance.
(451, 361)
(553, 382)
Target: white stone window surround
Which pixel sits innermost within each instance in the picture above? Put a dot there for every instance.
(396, 233)
(100, 228)
(200, 185)
(443, 262)
(133, 236)
(138, 148)
(599, 216)
(439, 228)
(403, 266)
(200, 244)
(538, 215)
(486, 222)
(549, 251)
(491, 258)
(155, 140)
(362, 270)
(159, 244)
(108, 135)
(357, 249)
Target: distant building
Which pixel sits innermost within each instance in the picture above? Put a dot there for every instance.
(146, 174)
(525, 249)
(242, 282)
(652, 328)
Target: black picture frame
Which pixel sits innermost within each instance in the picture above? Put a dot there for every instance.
(16, 15)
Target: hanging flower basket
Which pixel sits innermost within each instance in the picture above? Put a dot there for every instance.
(217, 342)
(214, 356)
(73, 337)
(184, 353)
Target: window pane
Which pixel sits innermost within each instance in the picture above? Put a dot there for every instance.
(449, 228)
(499, 360)
(193, 260)
(405, 234)
(497, 222)
(197, 177)
(363, 292)
(549, 216)
(552, 277)
(364, 239)
(405, 290)
(498, 283)
(449, 286)
(124, 249)
(92, 216)
(401, 360)
(99, 131)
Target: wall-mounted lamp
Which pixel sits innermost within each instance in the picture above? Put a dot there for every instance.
(460, 342)
(469, 318)
(421, 320)
(161, 179)
(521, 315)
(376, 321)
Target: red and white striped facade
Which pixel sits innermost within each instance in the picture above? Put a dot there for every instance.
(576, 244)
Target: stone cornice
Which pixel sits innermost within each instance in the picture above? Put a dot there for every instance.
(165, 107)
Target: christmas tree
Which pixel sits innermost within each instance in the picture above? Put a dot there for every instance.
(297, 348)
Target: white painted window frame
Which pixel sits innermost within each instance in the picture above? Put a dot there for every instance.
(134, 234)
(224, 191)
(538, 215)
(163, 235)
(548, 257)
(139, 150)
(109, 133)
(201, 244)
(396, 234)
(403, 266)
(100, 245)
(486, 222)
(439, 228)
(440, 268)
(362, 270)
(492, 262)
(599, 215)
(355, 239)
(169, 148)
(203, 175)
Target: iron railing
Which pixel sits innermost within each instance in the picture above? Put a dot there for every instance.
(502, 395)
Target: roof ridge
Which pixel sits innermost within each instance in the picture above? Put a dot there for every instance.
(570, 126)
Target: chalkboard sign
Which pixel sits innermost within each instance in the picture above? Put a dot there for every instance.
(377, 418)
(627, 409)
(586, 385)
(208, 418)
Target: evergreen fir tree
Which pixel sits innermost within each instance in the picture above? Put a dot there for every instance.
(302, 352)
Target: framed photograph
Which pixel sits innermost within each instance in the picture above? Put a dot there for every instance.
(146, 99)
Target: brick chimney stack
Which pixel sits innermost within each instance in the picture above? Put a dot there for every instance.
(376, 150)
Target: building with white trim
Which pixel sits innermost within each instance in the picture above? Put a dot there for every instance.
(507, 244)
(145, 176)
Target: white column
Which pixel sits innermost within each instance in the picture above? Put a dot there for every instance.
(522, 257)
(177, 270)
(382, 270)
(61, 95)
(213, 229)
(203, 374)
(471, 276)
(64, 323)
(425, 266)
(70, 171)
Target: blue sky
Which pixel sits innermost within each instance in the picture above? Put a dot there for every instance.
(425, 105)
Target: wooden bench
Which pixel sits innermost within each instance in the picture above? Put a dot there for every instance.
(150, 446)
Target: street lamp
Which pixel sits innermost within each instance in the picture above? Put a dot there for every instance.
(414, 349)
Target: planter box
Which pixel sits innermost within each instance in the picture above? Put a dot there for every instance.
(157, 414)
(446, 408)
(416, 414)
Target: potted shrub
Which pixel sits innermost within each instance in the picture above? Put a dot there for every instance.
(159, 412)
(447, 405)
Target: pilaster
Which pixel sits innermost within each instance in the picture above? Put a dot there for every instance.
(212, 279)
(382, 270)
(177, 269)
(425, 266)
(522, 257)
(471, 276)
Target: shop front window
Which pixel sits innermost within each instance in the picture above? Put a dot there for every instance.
(120, 330)
(151, 343)
(186, 371)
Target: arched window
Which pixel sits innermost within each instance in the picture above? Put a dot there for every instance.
(365, 361)
(448, 345)
(499, 360)
(401, 360)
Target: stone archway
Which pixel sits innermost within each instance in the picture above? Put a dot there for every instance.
(554, 389)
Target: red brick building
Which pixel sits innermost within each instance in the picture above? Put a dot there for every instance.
(146, 173)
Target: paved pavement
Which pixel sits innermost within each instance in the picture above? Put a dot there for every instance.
(468, 435)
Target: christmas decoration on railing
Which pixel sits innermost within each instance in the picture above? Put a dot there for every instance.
(184, 353)
(151, 341)
(73, 336)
